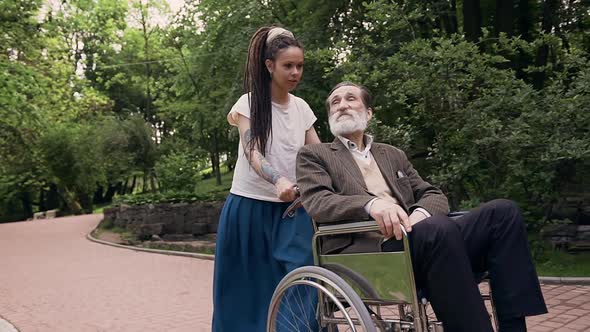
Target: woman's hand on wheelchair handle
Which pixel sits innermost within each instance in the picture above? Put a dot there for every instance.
(390, 217)
(287, 191)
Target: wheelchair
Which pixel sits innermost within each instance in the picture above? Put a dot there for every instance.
(352, 292)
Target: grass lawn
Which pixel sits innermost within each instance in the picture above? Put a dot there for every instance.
(563, 264)
(555, 263)
(209, 185)
(110, 233)
(99, 208)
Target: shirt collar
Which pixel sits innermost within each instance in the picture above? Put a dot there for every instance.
(351, 146)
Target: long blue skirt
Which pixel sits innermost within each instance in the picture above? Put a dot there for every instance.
(255, 250)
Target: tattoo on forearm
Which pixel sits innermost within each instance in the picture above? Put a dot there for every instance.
(266, 170)
(257, 160)
(247, 136)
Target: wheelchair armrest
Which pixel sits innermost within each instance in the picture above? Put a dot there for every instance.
(365, 226)
(457, 214)
(350, 227)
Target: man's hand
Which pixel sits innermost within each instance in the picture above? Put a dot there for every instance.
(389, 216)
(286, 190)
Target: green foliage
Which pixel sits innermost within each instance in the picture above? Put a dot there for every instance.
(140, 142)
(206, 190)
(98, 98)
(177, 172)
(106, 224)
(20, 124)
(486, 132)
(19, 27)
(78, 167)
(168, 197)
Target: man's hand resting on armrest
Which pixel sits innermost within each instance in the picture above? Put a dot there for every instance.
(389, 216)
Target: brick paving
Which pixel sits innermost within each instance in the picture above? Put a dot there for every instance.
(569, 309)
(53, 279)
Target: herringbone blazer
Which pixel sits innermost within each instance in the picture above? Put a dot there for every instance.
(333, 189)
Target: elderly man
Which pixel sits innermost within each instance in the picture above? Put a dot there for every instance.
(354, 178)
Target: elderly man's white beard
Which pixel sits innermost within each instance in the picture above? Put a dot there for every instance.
(356, 121)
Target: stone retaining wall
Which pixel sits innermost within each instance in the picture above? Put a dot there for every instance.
(568, 237)
(166, 219)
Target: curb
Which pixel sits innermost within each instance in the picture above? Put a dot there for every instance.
(6, 326)
(584, 281)
(154, 251)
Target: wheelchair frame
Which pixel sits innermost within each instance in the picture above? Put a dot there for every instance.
(374, 283)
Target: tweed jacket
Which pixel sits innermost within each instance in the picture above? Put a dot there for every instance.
(333, 189)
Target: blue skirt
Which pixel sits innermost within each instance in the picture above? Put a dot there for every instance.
(255, 250)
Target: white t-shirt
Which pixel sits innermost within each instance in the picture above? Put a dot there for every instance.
(289, 124)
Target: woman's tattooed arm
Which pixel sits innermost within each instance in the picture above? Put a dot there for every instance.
(257, 160)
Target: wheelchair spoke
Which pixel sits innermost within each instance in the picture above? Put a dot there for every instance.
(292, 308)
(295, 317)
(307, 303)
(281, 325)
(280, 322)
(295, 307)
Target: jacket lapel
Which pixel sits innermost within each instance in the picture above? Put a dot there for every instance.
(343, 156)
(388, 172)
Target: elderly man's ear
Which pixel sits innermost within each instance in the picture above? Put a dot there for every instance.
(369, 114)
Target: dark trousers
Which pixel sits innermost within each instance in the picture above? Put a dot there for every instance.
(447, 253)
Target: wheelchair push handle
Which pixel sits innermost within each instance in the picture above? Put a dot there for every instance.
(290, 211)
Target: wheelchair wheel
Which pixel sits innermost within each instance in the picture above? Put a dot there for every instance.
(312, 298)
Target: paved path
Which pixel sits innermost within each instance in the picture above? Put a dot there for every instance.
(569, 310)
(53, 279)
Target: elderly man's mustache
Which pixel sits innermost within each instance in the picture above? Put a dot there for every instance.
(345, 113)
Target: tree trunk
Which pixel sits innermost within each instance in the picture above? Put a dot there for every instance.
(453, 17)
(148, 111)
(215, 160)
(27, 203)
(504, 17)
(122, 188)
(524, 21)
(52, 198)
(42, 205)
(471, 20)
(146, 47)
(448, 18)
(111, 190)
(69, 198)
(85, 203)
(133, 185)
(550, 8)
(98, 195)
(153, 187)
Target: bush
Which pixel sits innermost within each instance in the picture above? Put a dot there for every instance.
(485, 132)
(74, 161)
(177, 172)
(169, 197)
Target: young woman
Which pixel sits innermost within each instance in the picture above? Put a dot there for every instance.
(255, 247)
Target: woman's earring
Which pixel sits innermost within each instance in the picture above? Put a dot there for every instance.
(270, 74)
